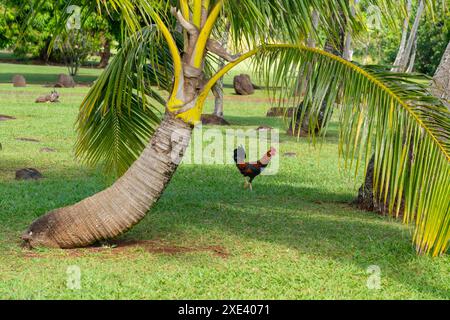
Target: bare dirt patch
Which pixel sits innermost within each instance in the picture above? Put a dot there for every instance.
(155, 246)
(126, 247)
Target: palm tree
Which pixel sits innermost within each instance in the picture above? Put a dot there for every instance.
(379, 110)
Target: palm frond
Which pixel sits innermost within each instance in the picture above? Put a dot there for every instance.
(391, 114)
(122, 110)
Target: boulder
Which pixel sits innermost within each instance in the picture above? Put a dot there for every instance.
(211, 119)
(28, 174)
(19, 81)
(243, 85)
(65, 81)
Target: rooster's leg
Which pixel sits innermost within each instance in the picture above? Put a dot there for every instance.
(250, 186)
(245, 183)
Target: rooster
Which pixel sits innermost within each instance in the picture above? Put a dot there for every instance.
(251, 169)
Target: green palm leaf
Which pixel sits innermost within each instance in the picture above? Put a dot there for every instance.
(122, 110)
(389, 113)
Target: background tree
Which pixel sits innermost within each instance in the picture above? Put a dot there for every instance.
(74, 46)
(36, 39)
(218, 88)
(384, 45)
(432, 39)
(441, 79)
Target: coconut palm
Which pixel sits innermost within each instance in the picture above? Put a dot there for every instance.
(379, 111)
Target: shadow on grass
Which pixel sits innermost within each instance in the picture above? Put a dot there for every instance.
(312, 221)
(46, 78)
(277, 122)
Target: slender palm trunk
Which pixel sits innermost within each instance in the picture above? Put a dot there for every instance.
(441, 78)
(113, 211)
(413, 57)
(347, 53)
(303, 127)
(405, 29)
(404, 54)
(218, 88)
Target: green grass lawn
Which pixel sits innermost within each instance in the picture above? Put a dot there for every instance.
(44, 75)
(294, 237)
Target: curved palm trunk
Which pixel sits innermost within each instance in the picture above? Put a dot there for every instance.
(113, 211)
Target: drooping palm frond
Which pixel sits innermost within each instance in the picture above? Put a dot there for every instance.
(122, 110)
(388, 113)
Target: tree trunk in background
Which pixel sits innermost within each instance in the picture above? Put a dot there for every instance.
(310, 42)
(441, 89)
(43, 53)
(218, 87)
(404, 56)
(347, 53)
(304, 128)
(405, 30)
(113, 211)
(105, 54)
(301, 86)
(413, 57)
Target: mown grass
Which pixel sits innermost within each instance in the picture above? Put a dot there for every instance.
(294, 237)
(44, 75)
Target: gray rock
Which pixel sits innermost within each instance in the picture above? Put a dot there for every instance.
(65, 81)
(211, 119)
(243, 85)
(19, 81)
(28, 174)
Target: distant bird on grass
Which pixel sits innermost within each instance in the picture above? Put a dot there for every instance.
(52, 97)
(251, 169)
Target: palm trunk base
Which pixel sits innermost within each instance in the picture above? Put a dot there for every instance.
(118, 208)
(367, 200)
